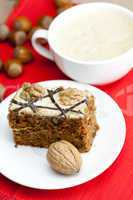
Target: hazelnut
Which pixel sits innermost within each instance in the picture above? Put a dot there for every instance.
(63, 3)
(45, 21)
(33, 31)
(4, 32)
(61, 9)
(64, 157)
(22, 23)
(13, 68)
(2, 92)
(18, 37)
(23, 54)
(1, 64)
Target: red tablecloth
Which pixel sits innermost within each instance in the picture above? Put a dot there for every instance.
(116, 183)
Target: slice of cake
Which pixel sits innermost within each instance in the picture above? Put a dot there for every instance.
(40, 116)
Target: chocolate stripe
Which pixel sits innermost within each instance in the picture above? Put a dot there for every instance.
(54, 92)
(75, 105)
(50, 92)
(46, 107)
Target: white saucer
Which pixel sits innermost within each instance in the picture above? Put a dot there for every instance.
(28, 166)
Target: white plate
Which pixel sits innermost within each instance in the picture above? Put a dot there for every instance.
(28, 166)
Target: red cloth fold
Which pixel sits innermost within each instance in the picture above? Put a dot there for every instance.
(116, 182)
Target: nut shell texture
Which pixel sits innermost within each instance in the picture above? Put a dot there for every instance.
(14, 68)
(18, 37)
(23, 23)
(23, 54)
(64, 157)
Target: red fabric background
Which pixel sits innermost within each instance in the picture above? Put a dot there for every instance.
(116, 182)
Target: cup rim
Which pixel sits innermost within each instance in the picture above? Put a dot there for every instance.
(93, 62)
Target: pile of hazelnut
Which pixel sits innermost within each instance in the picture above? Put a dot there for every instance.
(22, 32)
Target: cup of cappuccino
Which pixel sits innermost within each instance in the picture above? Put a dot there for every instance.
(90, 43)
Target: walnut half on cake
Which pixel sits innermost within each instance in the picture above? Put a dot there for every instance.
(40, 116)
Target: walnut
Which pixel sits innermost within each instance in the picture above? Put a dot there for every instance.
(64, 157)
(31, 92)
(70, 96)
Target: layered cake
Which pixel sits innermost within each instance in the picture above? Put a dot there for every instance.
(40, 116)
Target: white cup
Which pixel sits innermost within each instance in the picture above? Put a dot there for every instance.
(95, 72)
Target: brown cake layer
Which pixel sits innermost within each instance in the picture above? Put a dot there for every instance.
(39, 125)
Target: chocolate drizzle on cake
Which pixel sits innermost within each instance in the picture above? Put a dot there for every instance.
(29, 104)
(54, 92)
(74, 106)
(51, 93)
